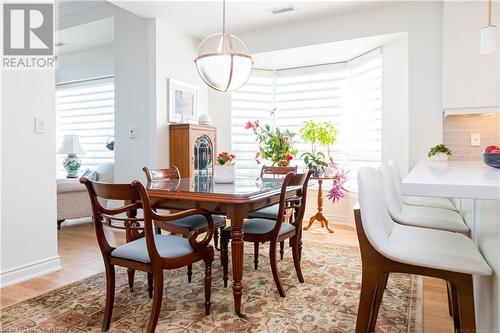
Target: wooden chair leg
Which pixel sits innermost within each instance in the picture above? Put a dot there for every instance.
(466, 311)
(110, 297)
(208, 285)
(256, 255)
(157, 298)
(190, 272)
(272, 259)
(379, 294)
(216, 238)
(131, 278)
(282, 249)
(450, 301)
(59, 222)
(368, 289)
(454, 305)
(296, 258)
(224, 256)
(150, 285)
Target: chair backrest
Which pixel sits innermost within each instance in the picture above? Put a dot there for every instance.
(135, 198)
(396, 174)
(276, 171)
(161, 174)
(375, 219)
(391, 195)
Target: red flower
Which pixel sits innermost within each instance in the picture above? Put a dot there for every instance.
(289, 157)
(248, 125)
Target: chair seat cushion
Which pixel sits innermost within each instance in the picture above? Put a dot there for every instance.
(270, 213)
(198, 222)
(263, 226)
(432, 218)
(430, 202)
(168, 247)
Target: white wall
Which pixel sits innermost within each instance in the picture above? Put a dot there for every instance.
(86, 64)
(28, 172)
(423, 23)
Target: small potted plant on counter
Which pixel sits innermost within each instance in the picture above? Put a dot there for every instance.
(224, 172)
(322, 134)
(439, 153)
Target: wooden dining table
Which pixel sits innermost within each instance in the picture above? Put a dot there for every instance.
(234, 200)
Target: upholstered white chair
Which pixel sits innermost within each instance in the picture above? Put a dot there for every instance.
(418, 216)
(415, 200)
(390, 247)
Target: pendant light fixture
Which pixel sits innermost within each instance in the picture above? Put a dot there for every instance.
(489, 35)
(223, 60)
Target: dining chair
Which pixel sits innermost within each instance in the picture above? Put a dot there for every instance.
(418, 216)
(270, 212)
(416, 200)
(145, 250)
(257, 230)
(388, 247)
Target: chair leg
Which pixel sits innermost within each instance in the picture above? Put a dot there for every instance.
(449, 295)
(216, 238)
(379, 294)
(296, 258)
(454, 306)
(224, 256)
(368, 289)
(256, 255)
(190, 272)
(150, 285)
(282, 249)
(466, 311)
(157, 298)
(110, 297)
(272, 258)
(208, 285)
(131, 278)
(59, 222)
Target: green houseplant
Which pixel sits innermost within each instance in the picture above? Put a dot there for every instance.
(323, 134)
(439, 153)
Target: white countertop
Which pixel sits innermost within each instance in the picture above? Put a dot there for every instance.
(453, 179)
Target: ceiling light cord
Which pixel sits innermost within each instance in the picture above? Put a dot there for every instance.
(224, 17)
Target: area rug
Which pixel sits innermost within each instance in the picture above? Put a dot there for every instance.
(326, 302)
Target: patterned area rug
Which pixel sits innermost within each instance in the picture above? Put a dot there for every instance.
(326, 302)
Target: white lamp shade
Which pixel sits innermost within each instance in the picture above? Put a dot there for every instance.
(71, 145)
(489, 39)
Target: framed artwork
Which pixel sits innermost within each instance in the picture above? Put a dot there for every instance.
(182, 102)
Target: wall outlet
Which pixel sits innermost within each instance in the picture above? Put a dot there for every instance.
(131, 133)
(475, 139)
(40, 124)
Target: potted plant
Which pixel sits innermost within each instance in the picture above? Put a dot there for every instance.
(224, 172)
(324, 134)
(275, 145)
(439, 153)
(338, 190)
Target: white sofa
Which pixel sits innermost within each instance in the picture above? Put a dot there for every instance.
(72, 199)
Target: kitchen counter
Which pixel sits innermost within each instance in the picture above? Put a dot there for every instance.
(453, 179)
(475, 188)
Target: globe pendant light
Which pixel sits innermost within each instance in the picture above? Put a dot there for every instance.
(489, 35)
(223, 60)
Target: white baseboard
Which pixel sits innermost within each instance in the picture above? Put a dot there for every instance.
(29, 271)
(333, 219)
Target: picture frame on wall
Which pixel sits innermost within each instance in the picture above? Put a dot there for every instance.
(182, 102)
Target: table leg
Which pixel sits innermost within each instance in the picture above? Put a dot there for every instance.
(319, 215)
(237, 263)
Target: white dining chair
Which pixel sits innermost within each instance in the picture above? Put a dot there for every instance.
(388, 247)
(417, 216)
(436, 202)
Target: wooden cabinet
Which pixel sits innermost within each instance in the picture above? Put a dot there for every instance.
(192, 148)
(471, 81)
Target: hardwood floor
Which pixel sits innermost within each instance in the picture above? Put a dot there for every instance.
(80, 258)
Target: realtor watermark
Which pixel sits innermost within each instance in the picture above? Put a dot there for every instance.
(28, 36)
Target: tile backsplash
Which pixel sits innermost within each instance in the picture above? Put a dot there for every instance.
(457, 132)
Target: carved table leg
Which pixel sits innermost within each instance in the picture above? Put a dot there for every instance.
(237, 218)
(319, 215)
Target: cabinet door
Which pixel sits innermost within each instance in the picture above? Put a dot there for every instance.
(470, 79)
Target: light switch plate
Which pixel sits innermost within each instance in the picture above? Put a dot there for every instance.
(131, 132)
(40, 124)
(475, 139)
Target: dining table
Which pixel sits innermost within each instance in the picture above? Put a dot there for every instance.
(234, 200)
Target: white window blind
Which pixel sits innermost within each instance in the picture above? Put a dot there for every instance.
(348, 94)
(86, 109)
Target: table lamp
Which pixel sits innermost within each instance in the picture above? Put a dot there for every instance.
(71, 146)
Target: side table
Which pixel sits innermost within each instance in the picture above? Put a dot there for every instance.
(319, 215)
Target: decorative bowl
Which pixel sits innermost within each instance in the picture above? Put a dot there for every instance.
(493, 160)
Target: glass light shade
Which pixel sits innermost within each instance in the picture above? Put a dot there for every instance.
(489, 39)
(224, 62)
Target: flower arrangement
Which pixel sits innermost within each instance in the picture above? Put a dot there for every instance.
(225, 158)
(275, 145)
(338, 190)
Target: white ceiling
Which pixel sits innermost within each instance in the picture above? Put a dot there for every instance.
(201, 18)
(85, 36)
(321, 53)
